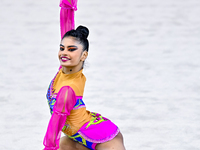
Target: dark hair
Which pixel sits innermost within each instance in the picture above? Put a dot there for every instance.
(81, 33)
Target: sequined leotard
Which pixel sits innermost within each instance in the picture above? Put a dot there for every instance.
(85, 127)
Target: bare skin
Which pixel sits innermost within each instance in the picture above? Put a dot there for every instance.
(115, 144)
(71, 55)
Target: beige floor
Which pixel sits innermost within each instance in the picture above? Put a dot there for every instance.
(143, 70)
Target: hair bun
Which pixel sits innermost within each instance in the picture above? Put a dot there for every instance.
(83, 31)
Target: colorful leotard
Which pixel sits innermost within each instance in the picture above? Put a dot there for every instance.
(65, 99)
(76, 122)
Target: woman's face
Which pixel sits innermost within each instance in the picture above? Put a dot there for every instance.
(71, 53)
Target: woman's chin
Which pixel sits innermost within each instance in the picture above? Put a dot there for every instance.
(66, 66)
(63, 64)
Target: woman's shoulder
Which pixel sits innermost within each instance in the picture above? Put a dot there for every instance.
(78, 85)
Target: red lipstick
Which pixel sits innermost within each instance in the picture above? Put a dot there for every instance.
(64, 59)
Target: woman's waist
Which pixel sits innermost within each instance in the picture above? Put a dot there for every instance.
(78, 115)
(76, 120)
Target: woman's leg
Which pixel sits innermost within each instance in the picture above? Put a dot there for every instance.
(114, 144)
(68, 144)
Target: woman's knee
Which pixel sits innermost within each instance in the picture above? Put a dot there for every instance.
(114, 144)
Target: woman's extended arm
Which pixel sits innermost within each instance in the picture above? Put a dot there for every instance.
(65, 102)
(67, 15)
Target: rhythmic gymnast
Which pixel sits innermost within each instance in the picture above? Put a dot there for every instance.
(83, 129)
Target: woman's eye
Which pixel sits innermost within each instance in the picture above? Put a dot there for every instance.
(62, 49)
(72, 49)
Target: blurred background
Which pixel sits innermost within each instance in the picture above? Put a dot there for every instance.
(143, 70)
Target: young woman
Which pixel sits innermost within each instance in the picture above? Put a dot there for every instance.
(83, 129)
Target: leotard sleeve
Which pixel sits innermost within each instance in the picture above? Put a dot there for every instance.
(67, 15)
(66, 99)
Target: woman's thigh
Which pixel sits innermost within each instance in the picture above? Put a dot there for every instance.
(68, 144)
(114, 144)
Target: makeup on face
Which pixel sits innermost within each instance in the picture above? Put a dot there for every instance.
(64, 59)
(69, 55)
(70, 48)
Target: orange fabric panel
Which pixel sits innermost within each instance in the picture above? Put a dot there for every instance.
(76, 81)
(77, 117)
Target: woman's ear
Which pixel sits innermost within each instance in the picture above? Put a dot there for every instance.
(84, 56)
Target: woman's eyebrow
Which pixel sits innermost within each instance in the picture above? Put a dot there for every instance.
(72, 46)
(69, 46)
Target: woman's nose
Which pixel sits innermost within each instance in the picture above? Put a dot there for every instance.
(64, 52)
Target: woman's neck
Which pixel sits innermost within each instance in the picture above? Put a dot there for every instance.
(71, 70)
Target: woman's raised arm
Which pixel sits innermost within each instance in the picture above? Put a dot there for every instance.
(67, 15)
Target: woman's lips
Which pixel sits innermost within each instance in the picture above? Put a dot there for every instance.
(64, 59)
